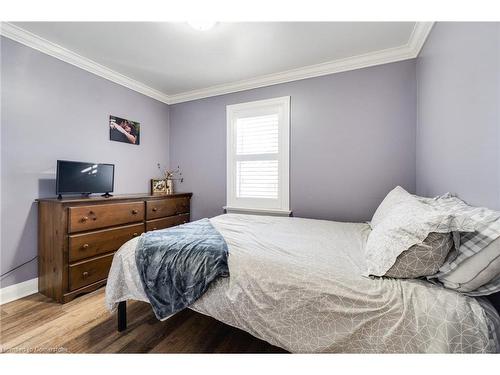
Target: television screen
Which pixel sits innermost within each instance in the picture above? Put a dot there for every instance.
(81, 177)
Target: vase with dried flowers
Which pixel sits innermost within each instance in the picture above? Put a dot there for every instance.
(169, 176)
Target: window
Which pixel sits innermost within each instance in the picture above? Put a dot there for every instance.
(258, 137)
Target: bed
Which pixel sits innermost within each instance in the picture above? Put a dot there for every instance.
(296, 283)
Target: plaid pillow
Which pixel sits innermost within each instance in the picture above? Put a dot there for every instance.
(468, 244)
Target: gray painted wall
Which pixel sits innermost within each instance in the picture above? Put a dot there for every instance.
(458, 130)
(52, 110)
(352, 140)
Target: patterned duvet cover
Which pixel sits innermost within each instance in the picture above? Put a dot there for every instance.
(298, 284)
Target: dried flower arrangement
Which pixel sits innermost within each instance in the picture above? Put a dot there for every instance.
(170, 174)
(168, 177)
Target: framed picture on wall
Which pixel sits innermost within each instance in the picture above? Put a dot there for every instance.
(123, 130)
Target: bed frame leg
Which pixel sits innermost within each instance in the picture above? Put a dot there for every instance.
(122, 316)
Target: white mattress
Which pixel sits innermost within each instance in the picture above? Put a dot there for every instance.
(297, 284)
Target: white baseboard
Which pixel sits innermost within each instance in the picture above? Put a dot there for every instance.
(16, 291)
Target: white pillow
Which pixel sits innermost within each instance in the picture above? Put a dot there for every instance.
(395, 197)
(475, 271)
(474, 267)
(407, 224)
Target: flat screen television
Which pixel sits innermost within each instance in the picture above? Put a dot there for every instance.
(76, 177)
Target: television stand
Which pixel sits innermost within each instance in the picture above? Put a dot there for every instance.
(106, 195)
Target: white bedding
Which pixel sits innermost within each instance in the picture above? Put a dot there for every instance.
(297, 284)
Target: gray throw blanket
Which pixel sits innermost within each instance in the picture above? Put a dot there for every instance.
(176, 265)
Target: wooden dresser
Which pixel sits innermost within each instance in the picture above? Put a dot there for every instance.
(77, 237)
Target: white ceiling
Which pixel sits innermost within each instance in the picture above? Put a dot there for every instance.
(173, 58)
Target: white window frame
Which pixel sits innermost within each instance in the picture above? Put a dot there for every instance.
(281, 206)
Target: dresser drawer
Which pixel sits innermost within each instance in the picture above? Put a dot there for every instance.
(167, 222)
(104, 215)
(166, 207)
(88, 245)
(89, 271)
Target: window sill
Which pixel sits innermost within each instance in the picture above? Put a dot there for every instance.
(257, 211)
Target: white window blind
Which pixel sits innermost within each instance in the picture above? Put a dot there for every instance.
(257, 146)
(258, 137)
(257, 179)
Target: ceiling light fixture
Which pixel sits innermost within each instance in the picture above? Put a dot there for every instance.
(201, 25)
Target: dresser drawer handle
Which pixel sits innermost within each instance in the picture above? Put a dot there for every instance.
(85, 274)
(85, 246)
(85, 218)
(135, 212)
(135, 234)
(154, 228)
(155, 209)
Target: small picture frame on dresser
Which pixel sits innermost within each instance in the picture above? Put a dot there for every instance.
(158, 186)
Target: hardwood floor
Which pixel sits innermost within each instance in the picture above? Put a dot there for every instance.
(35, 324)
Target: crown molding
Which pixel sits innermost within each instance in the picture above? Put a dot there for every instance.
(408, 51)
(34, 41)
(419, 36)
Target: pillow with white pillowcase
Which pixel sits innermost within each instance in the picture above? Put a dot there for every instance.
(403, 223)
(394, 198)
